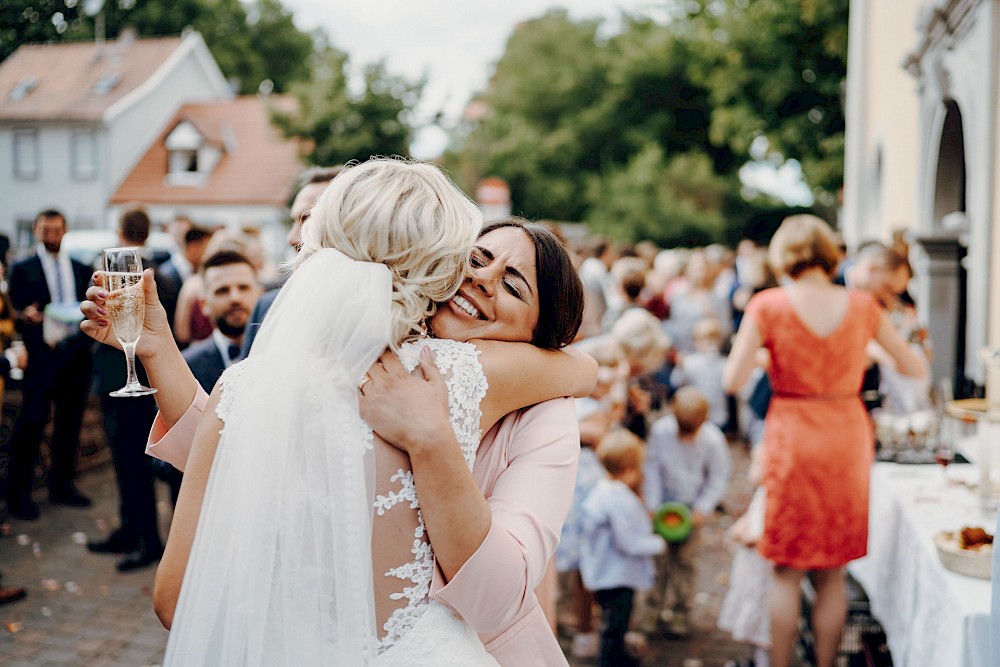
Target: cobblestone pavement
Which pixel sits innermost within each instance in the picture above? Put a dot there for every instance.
(80, 611)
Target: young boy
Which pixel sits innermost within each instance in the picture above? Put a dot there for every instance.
(618, 544)
(687, 460)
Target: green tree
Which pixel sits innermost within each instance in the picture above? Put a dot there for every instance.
(337, 125)
(775, 68)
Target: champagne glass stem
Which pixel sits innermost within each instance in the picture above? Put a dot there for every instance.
(133, 379)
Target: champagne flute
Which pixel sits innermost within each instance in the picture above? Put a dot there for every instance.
(126, 307)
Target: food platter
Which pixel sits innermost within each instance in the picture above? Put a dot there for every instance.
(976, 562)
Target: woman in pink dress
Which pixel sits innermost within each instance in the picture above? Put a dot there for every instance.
(818, 438)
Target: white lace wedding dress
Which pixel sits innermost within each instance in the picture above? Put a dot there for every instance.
(298, 558)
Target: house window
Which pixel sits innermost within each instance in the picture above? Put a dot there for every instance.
(184, 162)
(84, 155)
(26, 154)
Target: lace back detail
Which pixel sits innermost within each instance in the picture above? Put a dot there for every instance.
(459, 364)
(228, 383)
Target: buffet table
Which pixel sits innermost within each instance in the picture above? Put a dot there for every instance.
(932, 617)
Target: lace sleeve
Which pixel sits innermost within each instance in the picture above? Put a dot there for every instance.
(466, 381)
(228, 383)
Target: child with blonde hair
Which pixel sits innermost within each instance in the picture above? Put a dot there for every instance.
(618, 542)
(687, 461)
(596, 414)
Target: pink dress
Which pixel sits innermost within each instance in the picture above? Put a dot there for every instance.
(525, 466)
(818, 437)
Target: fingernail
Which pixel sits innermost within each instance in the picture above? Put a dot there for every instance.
(102, 294)
(102, 311)
(426, 352)
(102, 323)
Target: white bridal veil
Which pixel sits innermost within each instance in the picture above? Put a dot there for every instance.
(280, 571)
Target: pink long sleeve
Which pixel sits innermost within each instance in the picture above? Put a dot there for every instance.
(526, 468)
(174, 444)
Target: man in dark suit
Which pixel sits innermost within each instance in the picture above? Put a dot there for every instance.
(171, 274)
(127, 422)
(231, 288)
(56, 374)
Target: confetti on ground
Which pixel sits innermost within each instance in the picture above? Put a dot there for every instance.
(46, 612)
(5, 529)
(692, 662)
(71, 587)
(36, 550)
(701, 598)
(79, 538)
(102, 525)
(24, 539)
(51, 585)
(104, 591)
(14, 627)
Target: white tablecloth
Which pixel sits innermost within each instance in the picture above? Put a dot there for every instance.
(932, 617)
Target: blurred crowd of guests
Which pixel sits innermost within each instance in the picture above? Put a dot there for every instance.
(659, 426)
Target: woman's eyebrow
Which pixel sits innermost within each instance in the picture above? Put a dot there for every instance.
(510, 269)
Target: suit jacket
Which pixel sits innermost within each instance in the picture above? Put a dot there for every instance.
(205, 362)
(27, 286)
(168, 287)
(257, 318)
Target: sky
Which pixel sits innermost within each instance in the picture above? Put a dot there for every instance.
(455, 43)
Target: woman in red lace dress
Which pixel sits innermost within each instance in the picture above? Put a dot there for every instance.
(818, 442)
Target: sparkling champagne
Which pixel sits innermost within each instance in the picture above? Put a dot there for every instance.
(126, 305)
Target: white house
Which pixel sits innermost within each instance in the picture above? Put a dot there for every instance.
(75, 118)
(923, 143)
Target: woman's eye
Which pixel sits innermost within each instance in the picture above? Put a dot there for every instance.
(477, 262)
(512, 288)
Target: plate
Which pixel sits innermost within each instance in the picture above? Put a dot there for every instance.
(970, 562)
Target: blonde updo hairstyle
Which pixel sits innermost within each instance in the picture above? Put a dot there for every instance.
(407, 215)
(802, 242)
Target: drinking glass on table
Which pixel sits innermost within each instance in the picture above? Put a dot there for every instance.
(126, 307)
(944, 456)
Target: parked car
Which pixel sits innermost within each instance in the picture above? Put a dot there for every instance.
(85, 245)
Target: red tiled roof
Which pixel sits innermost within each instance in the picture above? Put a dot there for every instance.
(259, 167)
(66, 75)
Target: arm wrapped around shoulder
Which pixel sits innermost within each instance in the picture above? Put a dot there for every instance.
(527, 470)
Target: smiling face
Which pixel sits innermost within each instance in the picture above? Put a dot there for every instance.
(499, 301)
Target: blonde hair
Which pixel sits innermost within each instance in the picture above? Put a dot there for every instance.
(407, 215)
(642, 338)
(707, 328)
(690, 410)
(620, 451)
(802, 242)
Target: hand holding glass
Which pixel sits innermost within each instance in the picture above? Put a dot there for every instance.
(126, 307)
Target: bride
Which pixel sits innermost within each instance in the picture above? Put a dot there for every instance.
(299, 510)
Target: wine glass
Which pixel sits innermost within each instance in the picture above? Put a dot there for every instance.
(126, 307)
(944, 455)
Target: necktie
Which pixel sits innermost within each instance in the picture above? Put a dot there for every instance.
(234, 352)
(58, 296)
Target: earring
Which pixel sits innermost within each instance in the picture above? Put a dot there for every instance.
(423, 329)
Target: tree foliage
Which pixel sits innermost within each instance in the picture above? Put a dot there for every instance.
(338, 125)
(643, 133)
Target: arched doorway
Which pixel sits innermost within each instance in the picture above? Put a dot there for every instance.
(946, 248)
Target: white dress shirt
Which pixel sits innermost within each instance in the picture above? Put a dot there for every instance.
(58, 274)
